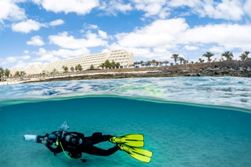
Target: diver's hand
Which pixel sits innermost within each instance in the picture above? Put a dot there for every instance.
(42, 139)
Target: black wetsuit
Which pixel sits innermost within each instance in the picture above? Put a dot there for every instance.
(76, 143)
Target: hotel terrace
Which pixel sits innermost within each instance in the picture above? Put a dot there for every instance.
(124, 58)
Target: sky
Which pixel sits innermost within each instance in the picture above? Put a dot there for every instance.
(42, 31)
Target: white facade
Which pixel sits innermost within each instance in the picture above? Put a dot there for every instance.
(119, 56)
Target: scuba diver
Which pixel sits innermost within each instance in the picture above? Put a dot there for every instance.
(73, 144)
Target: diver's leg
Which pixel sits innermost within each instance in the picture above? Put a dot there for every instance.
(101, 152)
(98, 137)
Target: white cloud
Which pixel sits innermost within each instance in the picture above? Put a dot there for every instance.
(224, 9)
(114, 6)
(26, 51)
(41, 57)
(154, 41)
(166, 36)
(217, 49)
(70, 46)
(67, 41)
(159, 33)
(227, 9)
(56, 22)
(36, 41)
(26, 26)
(45, 56)
(247, 7)
(11, 61)
(189, 3)
(191, 47)
(92, 26)
(53, 55)
(10, 10)
(153, 7)
(74, 6)
(102, 34)
(228, 35)
(30, 25)
(26, 57)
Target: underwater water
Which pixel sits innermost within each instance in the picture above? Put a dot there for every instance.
(179, 134)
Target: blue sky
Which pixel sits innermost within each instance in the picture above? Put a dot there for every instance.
(41, 31)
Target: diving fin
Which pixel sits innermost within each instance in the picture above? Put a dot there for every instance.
(140, 154)
(132, 140)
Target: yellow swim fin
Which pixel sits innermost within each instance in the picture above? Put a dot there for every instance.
(140, 154)
(132, 140)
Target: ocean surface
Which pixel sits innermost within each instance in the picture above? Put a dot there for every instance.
(187, 122)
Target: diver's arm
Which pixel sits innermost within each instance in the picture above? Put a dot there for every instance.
(40, 138)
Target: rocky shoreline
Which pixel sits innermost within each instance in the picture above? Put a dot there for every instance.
(137, 75)
(232, 68)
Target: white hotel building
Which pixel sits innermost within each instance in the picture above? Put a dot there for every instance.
(119, 56)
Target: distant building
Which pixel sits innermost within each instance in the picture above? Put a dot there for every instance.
(124, 58)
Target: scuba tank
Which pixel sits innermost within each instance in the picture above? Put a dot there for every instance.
(29, 137)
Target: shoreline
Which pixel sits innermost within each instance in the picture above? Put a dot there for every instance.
(113, 75)
(201, 69)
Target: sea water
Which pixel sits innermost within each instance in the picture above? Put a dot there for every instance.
(179, 134)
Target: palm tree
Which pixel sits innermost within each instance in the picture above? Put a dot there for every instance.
(154, 62)
(7, 72)
(22, 73)
(208, 55)
(78, 67)
(175, 57)
(72, 69)
(113, 64)
(244, 56)
(165, 63)
(107, 64)
(182, 60)
(92, 67)
(17, 74)
(65, 68)
(201, 60)
(117, 65)
(228, 55)
(1, 73)
(102, 65)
